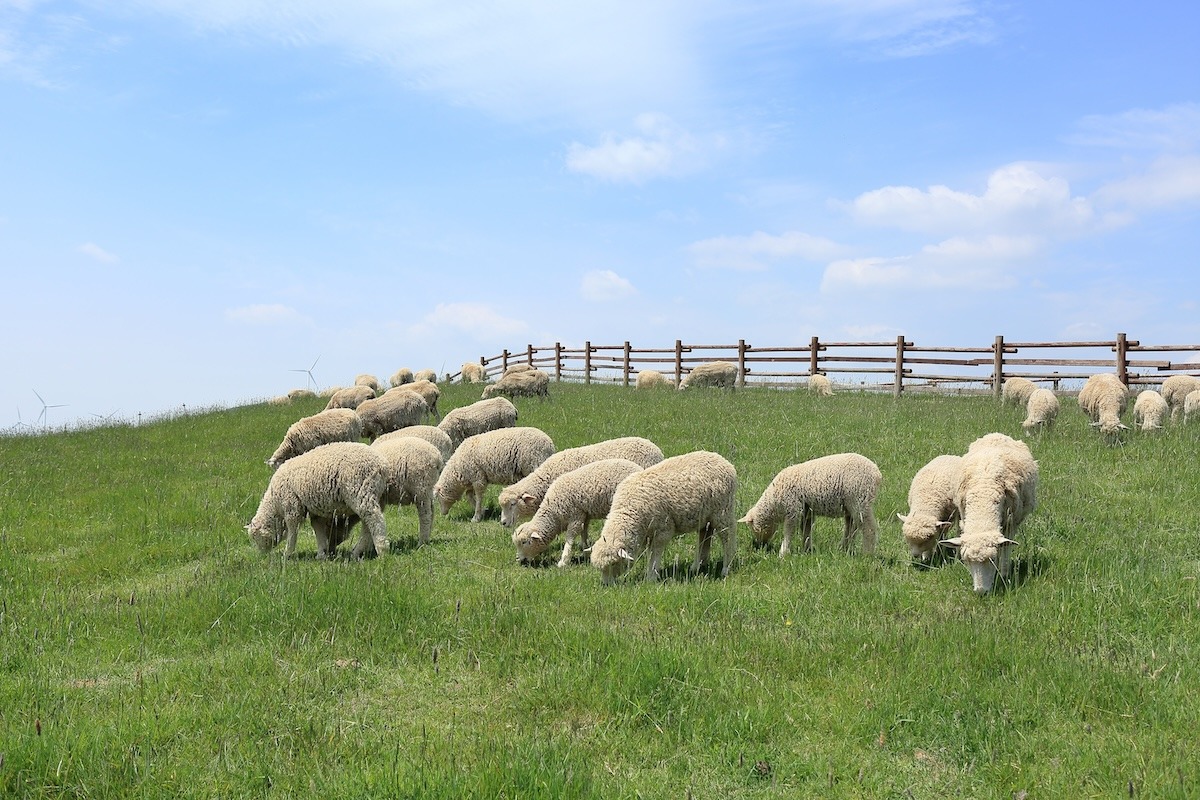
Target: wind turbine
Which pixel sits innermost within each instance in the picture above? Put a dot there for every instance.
(308, 372)
(42, 418)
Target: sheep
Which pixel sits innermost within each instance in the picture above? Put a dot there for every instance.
(301, 394)
(650, 379)
(1191, 404)
(1149, 410)
(840, 485)
(573, 500)
(997, 489)
(721, 374)
(521, 499)
(391, 411)
(931, 509)
(1175, 390)
(340, 479)
(502, 456)
(479, 417)
(820, 385)
(1040, 410)
(690, 492)
(1016, 391)
(1103, 398)
(430, 433)
(369, 380)
(521, 383)
(334, 425)
(350, 397)
(428, 391)
(472, 372)
(425, 375)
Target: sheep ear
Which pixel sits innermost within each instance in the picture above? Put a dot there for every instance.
(749, 518)
(527, 497)
(955, 542)
(901, 517)
(535, 537)
(587, 550)
(623, 553)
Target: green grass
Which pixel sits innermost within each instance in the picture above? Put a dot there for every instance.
(147, 649)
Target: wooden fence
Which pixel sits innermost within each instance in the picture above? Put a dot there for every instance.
(897, 366)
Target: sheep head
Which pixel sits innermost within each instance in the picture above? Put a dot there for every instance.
(985, 557)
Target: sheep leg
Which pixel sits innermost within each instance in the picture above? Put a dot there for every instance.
(654, 559)
(320, 526)
(729, 540)
(848, 533)
(789, 528)
(703, 548)
(424, 503)
(477, 489)
(573, 530)
(374, 533)
(806, 523)
(870, 532)
(293, 527)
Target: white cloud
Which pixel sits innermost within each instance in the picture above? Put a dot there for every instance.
(758, 250)
(1169, 181)
(602, 285)
(97, 252)
(985, 264)
(661, 149)
(1174, 128)
(265, 314)
(474, 319)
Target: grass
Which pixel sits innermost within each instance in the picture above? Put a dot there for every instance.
(147, 649)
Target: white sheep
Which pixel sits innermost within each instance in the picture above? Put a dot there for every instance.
(1016, 391)
(479, 417)
(340, 479)
(722, 374)
(649, 379)
(820, 385)
(430, 433)
(428, 391)
(1041, 409)
(931, 509)
(413, 469)
(1104, 398)
(401, 376)
(368, 380)
(520, 383)
(334, 425)
(996, 491)
(840, 485)
(1175, 390)
(391, 411)
(502, 456)
(521, 499)
(350, 397)
(301, 394)
(425, 375)
(573, 500)
(1149, 410)
(472, 372)
(690, 492)
(1191, 404)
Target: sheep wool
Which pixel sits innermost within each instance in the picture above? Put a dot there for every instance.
(391, 411)
(479, 417)
(427, 390)
(334, 425)
(573, 500)
(350, 397)
(996, 491)
(502, 456)
(931, 509)
(1104, 398)
(1016, 391)
(401, 376)
(430, 433)
(1149, 410)
(472, 372)
(1040, 410)
(1175, 390)
(820, 385)
(366, 379)
(720, 374)
(1191, 404)
(840, 485)
(413, 469)
(690, 492)
(649, 379)
(301, 394)
(425, 375)
(521, 383)
(520, 500)
(340, 479)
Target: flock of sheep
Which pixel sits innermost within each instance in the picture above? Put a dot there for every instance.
(324, 473)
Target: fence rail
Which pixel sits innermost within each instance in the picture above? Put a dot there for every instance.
(906, 365)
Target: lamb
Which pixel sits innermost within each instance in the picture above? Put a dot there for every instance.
(649, 379)
(997, 489)
(931, 509)
(521, 499)
(340, 479)
(428, 391)
(479, 417)
(1016, 391)
(521, 383)
(472, 373)
(429, 433)
(1191, 404)
(1175, 390)
(350, 397)
(820, 385)
(1040, 410)
(573, 500)
(1149, 410)
(502, 456)
(840, 485)
(391, 411)
(369, 380)
(401, 376)
(722, 374)
(334, 425)
(690, 492)
(1103, 398)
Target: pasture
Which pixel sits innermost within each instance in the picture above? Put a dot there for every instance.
(148, 649)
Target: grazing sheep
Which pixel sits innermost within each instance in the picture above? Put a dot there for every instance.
(1191, 404)
(1016, 391)
(472, 372)
(1149, 410)
(690, 492)
(650, 379)
(520, 383)
(820, 385)
(1175, 390)
(573, 500)
(425, 375)
(301, 394)
(997, 489)
(334, 425)
(1040, 410)
(369, 380)
(841, 485)
(1103, 398)
(430, 433)
(350, 397)
(521, 499)
(931, 509)
(329, 391)
(428, 391)
(502, 456)
(341, 479)
(413, 469)
(401, 376)
(391, 411)
(722, 374)
(479, 417)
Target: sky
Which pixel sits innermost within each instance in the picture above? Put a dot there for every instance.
(199, 201)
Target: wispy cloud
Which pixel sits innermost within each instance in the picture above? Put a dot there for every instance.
(265, 314)
(759, 250)
(604, 285)
(92, 250)
(480, 321)
(659, 149)
(984, 264)
(1172, 129)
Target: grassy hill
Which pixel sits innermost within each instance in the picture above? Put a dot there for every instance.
(148, 649)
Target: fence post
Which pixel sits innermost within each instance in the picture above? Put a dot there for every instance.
(741, 378)
(504, 361)
(625, 369)
(557, 361)
(529, 354)
(1122, 349)
(997, 365)
(814, 349)
(678, 362)
(898, 386)
(587, 362)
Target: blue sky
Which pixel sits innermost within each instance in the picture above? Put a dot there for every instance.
(198, 198)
